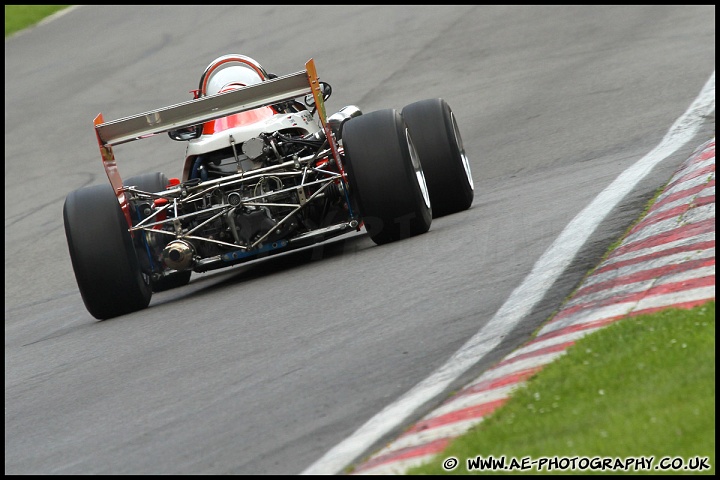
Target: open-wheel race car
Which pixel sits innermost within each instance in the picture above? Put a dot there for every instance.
(265, 172)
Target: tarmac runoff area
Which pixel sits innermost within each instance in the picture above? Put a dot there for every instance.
(666, 260)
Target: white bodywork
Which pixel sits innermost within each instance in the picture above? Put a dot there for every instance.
(209, 143)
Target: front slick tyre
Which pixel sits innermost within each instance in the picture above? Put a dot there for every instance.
(386, 178)
(439, 144)
(106, 266)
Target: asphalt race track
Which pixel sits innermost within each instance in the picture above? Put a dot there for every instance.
(666, 260)
(264, 368)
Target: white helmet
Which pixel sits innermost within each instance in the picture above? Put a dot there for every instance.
(231, 71)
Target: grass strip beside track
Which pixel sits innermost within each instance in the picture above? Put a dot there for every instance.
(643, 386)
(20, 17)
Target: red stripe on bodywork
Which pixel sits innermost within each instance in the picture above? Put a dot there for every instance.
(238, 120)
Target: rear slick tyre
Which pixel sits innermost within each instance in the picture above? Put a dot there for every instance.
(106, 266)
(442, 154)
(387, 183)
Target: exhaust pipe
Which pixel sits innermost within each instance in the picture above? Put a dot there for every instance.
(178, 255)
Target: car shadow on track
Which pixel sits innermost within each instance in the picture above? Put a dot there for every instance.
(266, 266)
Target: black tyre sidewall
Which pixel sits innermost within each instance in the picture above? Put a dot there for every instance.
(430, 122)
(106, 266)
(382, 179)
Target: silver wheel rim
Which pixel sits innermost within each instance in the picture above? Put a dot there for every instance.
(461, 148)
(419, 174)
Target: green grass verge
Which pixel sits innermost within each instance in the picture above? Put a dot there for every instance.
(20, 17)
(641, 387)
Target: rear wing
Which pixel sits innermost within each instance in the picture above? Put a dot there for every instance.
(202, 110)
